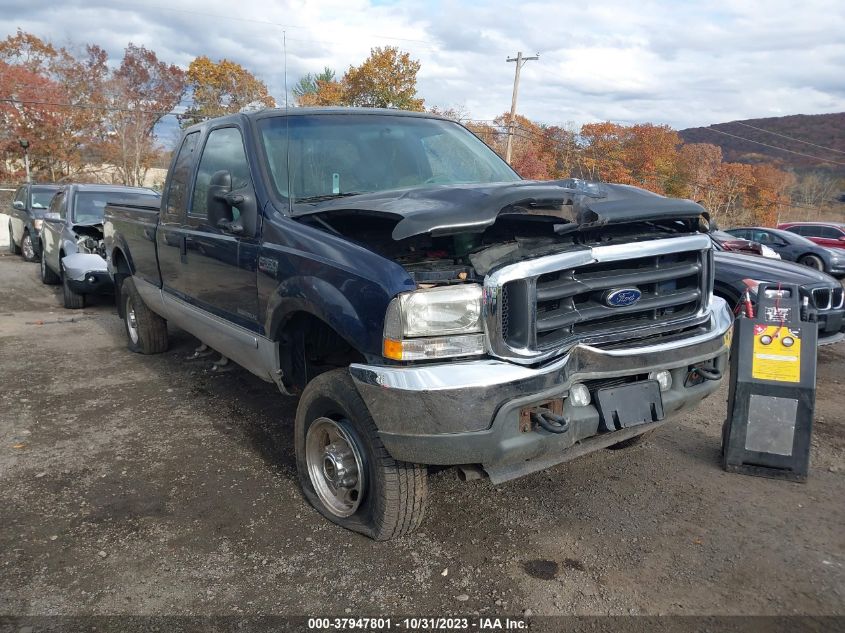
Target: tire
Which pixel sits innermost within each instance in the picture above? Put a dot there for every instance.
(145, 330)
(48, 277)
(389, 500)
(28, 248)
(631, 441)
(812, 261)
(72, 300)
(14, 249)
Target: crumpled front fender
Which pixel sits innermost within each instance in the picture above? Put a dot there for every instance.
(78, 265)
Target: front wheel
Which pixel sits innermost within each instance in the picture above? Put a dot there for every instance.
(27, 247)
(72, 299)
(344, 469)
(48, 277)
(812, 261)
(146, 331)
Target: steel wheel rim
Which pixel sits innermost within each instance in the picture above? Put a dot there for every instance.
(335, 467)
(131, 321)
(26, 246)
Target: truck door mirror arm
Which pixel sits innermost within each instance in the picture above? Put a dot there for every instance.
(221, 200)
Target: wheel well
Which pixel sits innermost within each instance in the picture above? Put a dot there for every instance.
(121, 266)
(310, 347)
(727, 294)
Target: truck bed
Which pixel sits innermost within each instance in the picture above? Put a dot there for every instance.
(132, 227)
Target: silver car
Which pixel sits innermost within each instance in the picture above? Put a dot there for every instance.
(71, 240)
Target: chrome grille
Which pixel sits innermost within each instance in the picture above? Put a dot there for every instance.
(536, 308)
(827, 298)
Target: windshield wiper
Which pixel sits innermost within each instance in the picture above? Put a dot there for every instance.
(329, 196)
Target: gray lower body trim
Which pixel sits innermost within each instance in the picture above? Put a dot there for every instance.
(251, 351)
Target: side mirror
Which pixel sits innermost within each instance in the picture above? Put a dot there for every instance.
(842, 238)
(215, 199)
(18, 204)
(221, 200)
(52, 216)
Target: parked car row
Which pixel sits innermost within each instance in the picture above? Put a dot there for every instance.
(795, 248)
(61, 226)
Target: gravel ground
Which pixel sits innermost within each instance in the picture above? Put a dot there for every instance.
(149, 485)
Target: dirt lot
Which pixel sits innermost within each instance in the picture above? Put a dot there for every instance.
(148, 485)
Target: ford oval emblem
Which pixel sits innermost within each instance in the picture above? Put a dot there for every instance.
(622, 297)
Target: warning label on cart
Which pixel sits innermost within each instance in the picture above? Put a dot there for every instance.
(777, 353)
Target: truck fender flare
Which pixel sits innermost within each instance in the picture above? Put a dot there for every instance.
(119, 251)
(321, 300)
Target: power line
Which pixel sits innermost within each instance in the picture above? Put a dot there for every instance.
(87, 106)
(791, 138)
(782, 149)
(228, 18)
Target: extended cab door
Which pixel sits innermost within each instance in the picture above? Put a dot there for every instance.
(218, 270)
(171, 234)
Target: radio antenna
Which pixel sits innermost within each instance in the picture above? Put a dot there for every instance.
(287, 125)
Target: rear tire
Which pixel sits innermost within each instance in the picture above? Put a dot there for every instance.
(28, 248)
(631, 441)
(146, 331)
(72, 300)
(14, 249)
(48, 277)
(344, 469)
(812, 261)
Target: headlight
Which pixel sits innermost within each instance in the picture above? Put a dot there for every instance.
(38, 224)
(434, 323)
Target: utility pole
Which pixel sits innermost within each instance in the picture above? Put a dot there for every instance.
(25, 145)
(520, 62)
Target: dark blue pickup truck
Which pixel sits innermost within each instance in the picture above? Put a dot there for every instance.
(429, 306)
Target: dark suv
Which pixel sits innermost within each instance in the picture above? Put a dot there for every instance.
(26, 217)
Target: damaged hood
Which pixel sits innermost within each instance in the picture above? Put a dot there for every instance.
(452, 209)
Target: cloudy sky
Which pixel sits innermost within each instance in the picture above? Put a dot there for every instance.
(676, 62)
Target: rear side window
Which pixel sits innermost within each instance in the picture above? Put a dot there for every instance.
(798, 230)
(177, 191)
(57, 204)
(828, 232)
(41, 197)
(224, 151)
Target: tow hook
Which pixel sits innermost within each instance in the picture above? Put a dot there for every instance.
(551, 422)
(699, 374)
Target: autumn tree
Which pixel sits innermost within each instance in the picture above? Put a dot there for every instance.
(698, 166)
(386, 79)
(770, 195)
(603, 152)
(24, 118)
(74, 86)
(309, 84)
(141, 92)
(219, 88)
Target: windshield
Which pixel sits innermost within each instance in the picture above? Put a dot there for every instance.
(333, 155)
(41, 198)
(89, 205)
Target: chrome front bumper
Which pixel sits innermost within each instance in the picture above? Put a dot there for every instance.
(467, 412)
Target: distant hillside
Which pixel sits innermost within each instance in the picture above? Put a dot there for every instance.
(822, 130)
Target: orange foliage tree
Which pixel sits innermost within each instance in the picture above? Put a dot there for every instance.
(223, 87)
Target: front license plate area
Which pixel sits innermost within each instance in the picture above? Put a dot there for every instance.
(629, 405)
